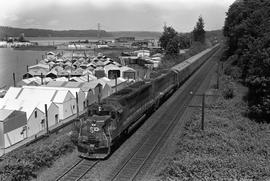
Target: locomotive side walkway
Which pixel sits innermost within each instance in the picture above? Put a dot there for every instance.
(174, 106)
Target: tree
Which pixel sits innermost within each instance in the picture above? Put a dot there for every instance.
(247, 29)
(169, 40)
(198, 32)
(184, 41)
(168, 34)
(173, 46)
(21, 37)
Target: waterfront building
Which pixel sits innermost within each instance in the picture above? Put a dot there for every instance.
(128, 73)
(37, 70)
(35, 113)
(111, 71)
(13, 126)
(99, 72)
(64, 99)
(91, 89)
(142, 53)
(34, 81)
(115, 85)
(52, 74)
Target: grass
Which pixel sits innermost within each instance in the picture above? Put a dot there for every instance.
(59, 166)
(23, 164)
(231, 146)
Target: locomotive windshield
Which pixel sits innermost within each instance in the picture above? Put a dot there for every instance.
(100, 111)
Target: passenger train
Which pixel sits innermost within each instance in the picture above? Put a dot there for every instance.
(105, 122)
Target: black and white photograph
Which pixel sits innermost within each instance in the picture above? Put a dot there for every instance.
(135, 90)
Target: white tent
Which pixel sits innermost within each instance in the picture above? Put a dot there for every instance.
(62, 98)
(12, 128)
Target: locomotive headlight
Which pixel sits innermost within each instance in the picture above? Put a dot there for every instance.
(96, 129)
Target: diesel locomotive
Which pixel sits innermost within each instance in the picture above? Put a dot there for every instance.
(106, 121)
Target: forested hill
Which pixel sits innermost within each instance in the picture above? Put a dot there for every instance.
(31, 32)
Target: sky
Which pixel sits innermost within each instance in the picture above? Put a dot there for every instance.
(113, 15)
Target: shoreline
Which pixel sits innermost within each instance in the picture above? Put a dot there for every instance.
(37, 48)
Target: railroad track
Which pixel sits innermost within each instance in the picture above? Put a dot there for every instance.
(78, 170)
(137, 162)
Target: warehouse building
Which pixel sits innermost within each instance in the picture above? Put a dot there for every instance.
(64, 99)
(35, 113)
(114, 85)
(75, 91)
(91, 89)
(128, 73)
(12, 128)
(111, 71)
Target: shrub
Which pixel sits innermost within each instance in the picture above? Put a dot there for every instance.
(228, 91)
(22, 164)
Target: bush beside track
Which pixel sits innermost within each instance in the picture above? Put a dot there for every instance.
(24, 163)
(231, 146)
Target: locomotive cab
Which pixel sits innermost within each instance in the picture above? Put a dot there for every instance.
(94, 139)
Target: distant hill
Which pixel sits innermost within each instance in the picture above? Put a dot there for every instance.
(31, 32)
(142, 34)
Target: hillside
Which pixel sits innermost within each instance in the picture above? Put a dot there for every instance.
(31, 32)
(231, 147)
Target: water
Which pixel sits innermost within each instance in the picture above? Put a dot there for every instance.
(16, 61)
(61, 40)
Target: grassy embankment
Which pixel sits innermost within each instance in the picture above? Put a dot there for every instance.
(23, 164)
(231, 147)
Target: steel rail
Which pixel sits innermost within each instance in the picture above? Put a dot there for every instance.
(78, 170)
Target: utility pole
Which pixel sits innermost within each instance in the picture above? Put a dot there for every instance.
(98, 26)
(115, 76)
(218, 74)
(14, 79)
(41, 77)
(46, 119)
(99, 93)
(203, 104)
(77, 104)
